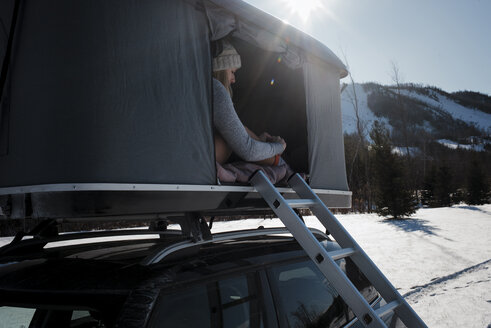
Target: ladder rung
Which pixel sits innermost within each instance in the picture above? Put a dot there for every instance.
(300, 203)
(342, 253)
(387, 308)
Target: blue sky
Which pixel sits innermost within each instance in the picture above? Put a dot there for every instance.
(443, 43)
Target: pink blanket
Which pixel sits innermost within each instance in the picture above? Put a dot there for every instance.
(243, 171)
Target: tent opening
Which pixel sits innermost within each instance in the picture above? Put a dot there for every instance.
(269, 96)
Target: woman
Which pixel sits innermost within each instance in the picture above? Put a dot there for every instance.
(230, 133)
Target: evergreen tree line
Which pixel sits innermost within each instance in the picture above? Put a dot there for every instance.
(395, 183)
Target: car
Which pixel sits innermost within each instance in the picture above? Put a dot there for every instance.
(164, 278)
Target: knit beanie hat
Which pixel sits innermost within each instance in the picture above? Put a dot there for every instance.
(229, 58)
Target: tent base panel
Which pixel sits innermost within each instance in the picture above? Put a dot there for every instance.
(145, 201)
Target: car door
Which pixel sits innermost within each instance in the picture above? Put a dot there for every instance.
(231, 301)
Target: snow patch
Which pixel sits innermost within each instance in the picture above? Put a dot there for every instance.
(455, 145)
(401, 151)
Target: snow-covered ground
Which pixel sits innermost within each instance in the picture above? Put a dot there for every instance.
(440, 259)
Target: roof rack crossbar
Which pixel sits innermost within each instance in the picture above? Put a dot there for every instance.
(39, 243)
(220, 237)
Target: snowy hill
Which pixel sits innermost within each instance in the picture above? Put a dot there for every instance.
(435, 99)
(450, 119)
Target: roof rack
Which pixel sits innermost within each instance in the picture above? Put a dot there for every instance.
(193, 226)
(220, 237)
(47, 232)
(194, 232)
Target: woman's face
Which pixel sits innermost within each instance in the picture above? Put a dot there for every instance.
(231, 75)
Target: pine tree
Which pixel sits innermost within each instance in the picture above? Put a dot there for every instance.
(392, 196)
(477, 185)
(443, 187)
(438, 187)
(428, 192)
(357, 179)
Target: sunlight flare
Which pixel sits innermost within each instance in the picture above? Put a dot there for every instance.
(303, 8)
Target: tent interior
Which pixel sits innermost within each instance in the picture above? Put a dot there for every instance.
(270, 96)
(107, 110)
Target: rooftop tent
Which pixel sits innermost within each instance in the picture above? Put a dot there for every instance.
(106, 106)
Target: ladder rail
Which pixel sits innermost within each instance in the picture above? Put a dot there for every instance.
(361, 259)
(319, 255)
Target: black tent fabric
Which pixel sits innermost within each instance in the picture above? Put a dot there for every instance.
(8, 10)
(107, 91)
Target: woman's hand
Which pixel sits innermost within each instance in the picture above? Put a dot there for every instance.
(277, 139)
(266, 137)
(283, 143)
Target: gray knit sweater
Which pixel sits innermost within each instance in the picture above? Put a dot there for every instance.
(233, 131)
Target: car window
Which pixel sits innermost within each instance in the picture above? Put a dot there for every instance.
(15, 317)
(182, 309)
(306, 298)
(85, 319)
(230, 303)
(239, 303)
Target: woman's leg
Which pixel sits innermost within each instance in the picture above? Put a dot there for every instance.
(222, 150)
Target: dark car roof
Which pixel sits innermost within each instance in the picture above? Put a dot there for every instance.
(116, 267)
(118, 280)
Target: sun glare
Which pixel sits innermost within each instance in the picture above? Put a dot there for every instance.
(303, 8)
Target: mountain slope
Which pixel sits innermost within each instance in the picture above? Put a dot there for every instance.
(424, 114)
(435, 99)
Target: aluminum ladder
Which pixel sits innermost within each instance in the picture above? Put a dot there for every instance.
(325, 261)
